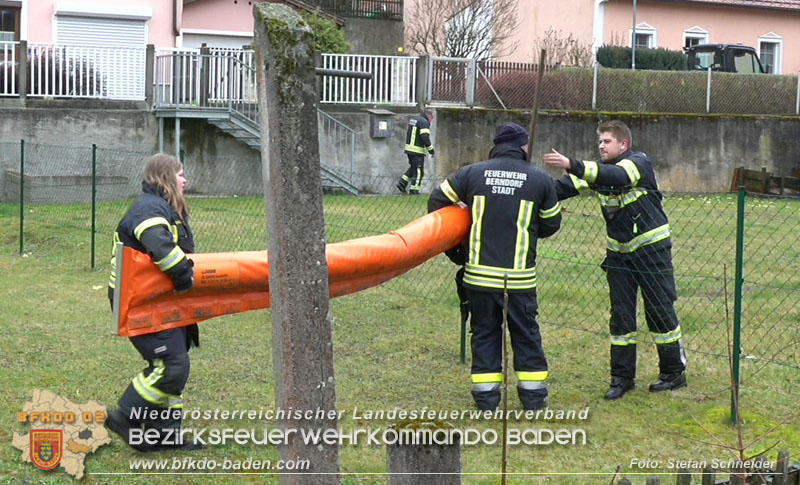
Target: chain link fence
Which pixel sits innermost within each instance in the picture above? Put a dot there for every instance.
(513, 86)
(52, 205)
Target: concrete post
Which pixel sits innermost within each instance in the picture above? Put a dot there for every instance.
(149, 74)
(423, 64)
(205, 64)
(298, 276)
(22, 88)
(424, 464)
(472, 74)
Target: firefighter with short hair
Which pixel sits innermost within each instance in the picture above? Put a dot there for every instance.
(638, 254)
(513, 204)
(418, 144)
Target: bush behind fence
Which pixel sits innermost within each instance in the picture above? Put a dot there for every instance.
(57, 213)
(625, 90)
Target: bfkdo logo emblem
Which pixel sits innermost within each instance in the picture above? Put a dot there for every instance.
(46, 447)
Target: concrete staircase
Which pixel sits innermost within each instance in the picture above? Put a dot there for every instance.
(245, 130)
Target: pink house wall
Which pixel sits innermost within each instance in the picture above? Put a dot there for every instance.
(219, 15)
(725, 25)
(40, 24)
(613, 20)
(565, 16)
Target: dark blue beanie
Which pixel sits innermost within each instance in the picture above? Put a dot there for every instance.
(511, 133)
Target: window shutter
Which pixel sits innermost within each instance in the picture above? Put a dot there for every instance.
(115, 48)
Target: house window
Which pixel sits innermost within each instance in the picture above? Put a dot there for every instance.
(644, 37)
(770, 51)
(9, 24)
(643, 41)
(694, 36)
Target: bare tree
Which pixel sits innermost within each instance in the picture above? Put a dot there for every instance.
(479, 29)
(563, 51)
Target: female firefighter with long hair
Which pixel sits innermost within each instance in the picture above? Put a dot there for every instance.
(157, 224)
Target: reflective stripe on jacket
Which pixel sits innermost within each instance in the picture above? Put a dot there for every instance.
(418, 136)
(513, 204)
(629, 199)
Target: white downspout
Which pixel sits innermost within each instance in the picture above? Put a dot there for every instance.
(598, 26)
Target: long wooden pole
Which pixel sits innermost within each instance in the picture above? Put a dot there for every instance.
(535, 113)
(505, 381)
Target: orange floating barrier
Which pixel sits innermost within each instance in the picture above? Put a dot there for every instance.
(234, 282)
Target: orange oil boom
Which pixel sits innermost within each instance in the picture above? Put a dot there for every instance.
(236, 282)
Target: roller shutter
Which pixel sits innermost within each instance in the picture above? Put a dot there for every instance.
(114, 47)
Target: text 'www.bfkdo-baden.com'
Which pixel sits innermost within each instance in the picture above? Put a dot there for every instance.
(191, 464)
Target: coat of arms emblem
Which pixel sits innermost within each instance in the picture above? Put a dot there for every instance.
(46, 447)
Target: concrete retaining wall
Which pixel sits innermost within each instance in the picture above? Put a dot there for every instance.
(690, 153)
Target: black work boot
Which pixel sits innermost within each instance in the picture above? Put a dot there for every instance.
(668, 382)
(120, 424)
(169, 429)
(486, 400)
(413, 191)
(401, 185)
(619, 386)
(532, 399)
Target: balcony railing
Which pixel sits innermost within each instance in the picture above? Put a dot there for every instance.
(204, 78)
(72, 71)
(371, 9)
(393, 80)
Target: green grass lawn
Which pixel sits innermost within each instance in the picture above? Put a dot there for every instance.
(397, 346)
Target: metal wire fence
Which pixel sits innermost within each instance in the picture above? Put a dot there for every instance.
(513, 86)
(52, 204)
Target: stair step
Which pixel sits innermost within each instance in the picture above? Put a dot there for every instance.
(247, 132)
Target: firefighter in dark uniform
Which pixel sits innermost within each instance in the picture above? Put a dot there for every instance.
(158, 224)
(513, 203)
(418, 143)
(638, 254)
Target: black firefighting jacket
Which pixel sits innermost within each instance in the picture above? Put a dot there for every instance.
(513, 203)
(629, 199)
(152, 226)
(418, 136)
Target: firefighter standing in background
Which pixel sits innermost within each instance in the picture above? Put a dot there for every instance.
(158, 224)
(638, 254)
(513, 203)
(418, 143)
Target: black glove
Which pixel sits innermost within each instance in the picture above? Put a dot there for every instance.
(457, 255)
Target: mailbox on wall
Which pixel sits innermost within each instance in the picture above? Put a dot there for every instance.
(381, 123)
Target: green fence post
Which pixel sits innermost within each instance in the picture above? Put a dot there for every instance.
(737, 304)
(21, 197)
(94, 202)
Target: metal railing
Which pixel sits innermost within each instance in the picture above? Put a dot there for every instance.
(8, 68)
(393, 80)
(337, 145)
(220, 78)
(371, 9)
(74, 71)
(210, 78)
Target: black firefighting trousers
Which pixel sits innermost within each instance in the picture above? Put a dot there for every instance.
(649, 269)
(413, 175)
(160, 385)
(487, 337)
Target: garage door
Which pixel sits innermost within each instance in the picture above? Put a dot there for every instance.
(111, 49)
